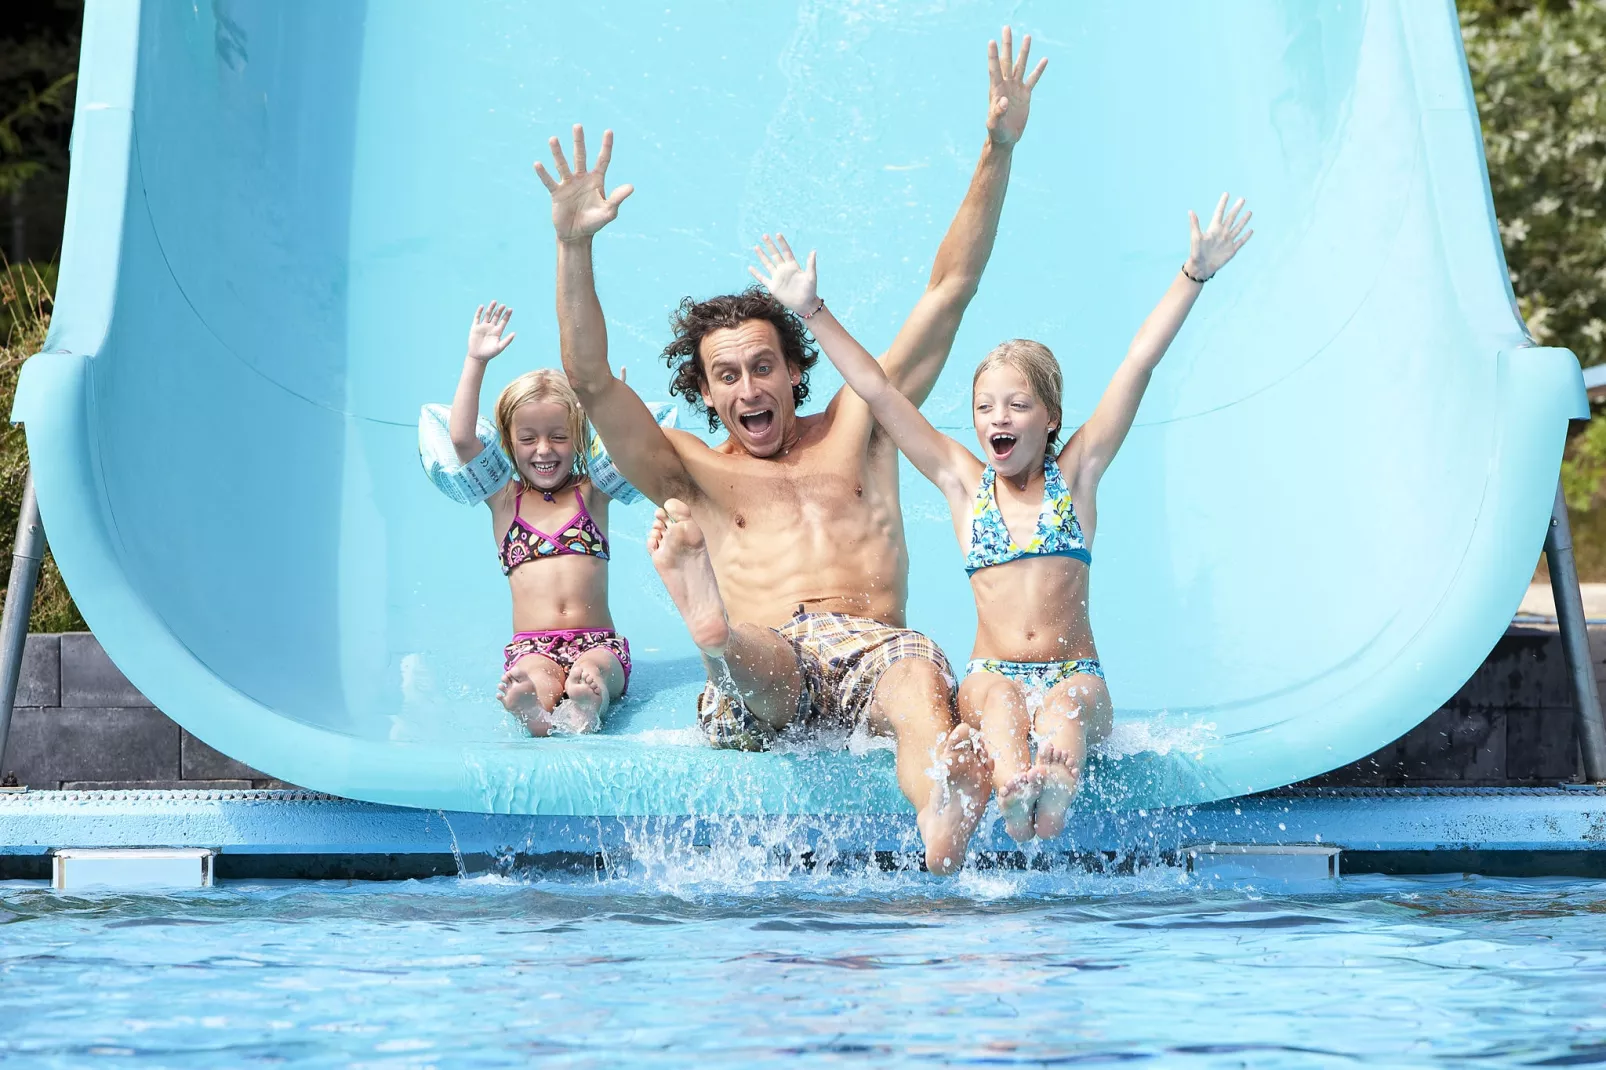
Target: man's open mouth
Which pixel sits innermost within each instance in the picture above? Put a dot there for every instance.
(757, 423)
(1002, 445)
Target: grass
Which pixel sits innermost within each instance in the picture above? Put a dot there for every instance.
(25, 307)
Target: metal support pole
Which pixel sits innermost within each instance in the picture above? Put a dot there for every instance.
(25, 558)
(1574, 640)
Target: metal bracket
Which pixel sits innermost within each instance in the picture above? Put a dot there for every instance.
(1575, 640)
(26, 557)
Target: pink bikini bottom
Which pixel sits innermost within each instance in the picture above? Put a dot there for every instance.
(566, 645)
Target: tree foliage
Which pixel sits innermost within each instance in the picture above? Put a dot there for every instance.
(38, 76)
(21, 157)
(1538, 71)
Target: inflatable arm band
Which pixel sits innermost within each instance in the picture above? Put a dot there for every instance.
(472, 483)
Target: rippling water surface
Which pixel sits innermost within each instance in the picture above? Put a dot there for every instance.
(731, 965)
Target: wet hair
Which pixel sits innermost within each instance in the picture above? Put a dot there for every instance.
(1035, 361)
(544, 384)
(695, 320)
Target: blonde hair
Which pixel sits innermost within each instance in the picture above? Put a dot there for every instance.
(545, 384)
(1035, 361)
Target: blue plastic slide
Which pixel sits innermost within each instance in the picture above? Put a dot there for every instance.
(283, 215)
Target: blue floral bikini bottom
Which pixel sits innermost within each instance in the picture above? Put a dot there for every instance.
(1037, 675)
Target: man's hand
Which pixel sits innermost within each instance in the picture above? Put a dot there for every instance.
(485, 339)
(579, 206)
(1210, 249)
(1009, 89)
(789, 282)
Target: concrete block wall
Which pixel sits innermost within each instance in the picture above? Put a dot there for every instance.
(79, 723)
(1512, 724)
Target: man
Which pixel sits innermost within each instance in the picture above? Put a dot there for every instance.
(783, 546)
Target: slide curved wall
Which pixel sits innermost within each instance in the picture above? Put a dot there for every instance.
(282, 216)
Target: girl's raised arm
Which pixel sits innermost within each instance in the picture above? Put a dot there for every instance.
(485, 341)
(938, 457)
(1095, 443)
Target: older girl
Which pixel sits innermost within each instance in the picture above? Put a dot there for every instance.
(1025, 516)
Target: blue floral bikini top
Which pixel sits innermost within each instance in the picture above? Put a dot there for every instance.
(1059, 534)
(525, 542)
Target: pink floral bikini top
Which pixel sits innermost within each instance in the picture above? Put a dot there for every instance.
(524, 542)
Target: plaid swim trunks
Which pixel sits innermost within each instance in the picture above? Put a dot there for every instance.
(840, 659)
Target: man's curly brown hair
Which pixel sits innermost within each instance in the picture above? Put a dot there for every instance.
(694, 320)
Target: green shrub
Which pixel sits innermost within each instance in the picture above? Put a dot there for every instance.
(1538, 71)
(1538, 67)
(25, 298)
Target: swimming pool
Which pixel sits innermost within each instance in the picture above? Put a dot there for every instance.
(710, 960)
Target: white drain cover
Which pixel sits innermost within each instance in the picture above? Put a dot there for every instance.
(1262, 861)
(75, 868)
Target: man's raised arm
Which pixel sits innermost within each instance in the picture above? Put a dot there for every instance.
(579, 209)
(918, 353)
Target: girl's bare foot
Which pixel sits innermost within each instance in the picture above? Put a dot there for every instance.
(518, 697)
(680, 555)
(1062, 775)
(588, 699)
(964, 775)
(1017, 801)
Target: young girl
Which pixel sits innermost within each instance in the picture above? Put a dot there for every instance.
(565, 664)
(1025, 517)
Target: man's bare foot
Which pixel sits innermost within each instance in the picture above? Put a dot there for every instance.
(588, 699)
(964, 775)
(681, 557)
(517, 694)
(1062, 775)
(1016, 802)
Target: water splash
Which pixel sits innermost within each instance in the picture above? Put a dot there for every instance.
(690, 736)
(768, 855)
(725, 683)
(741, 855)
(1158, 735)
(457, 851)
(761, 858)
(857, 740)
(566, 719)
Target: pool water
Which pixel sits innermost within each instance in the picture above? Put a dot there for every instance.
(736, 967)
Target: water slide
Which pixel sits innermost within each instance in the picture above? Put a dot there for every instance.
(283, 214)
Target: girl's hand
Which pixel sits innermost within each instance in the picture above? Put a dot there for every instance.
(485, 339)
(1220, 241)
(1009, 89)
(793, 285)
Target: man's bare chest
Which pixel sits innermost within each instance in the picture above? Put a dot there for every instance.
(788, 499)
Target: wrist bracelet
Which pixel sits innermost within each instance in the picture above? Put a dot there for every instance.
(1191, 278)
(816, 312)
